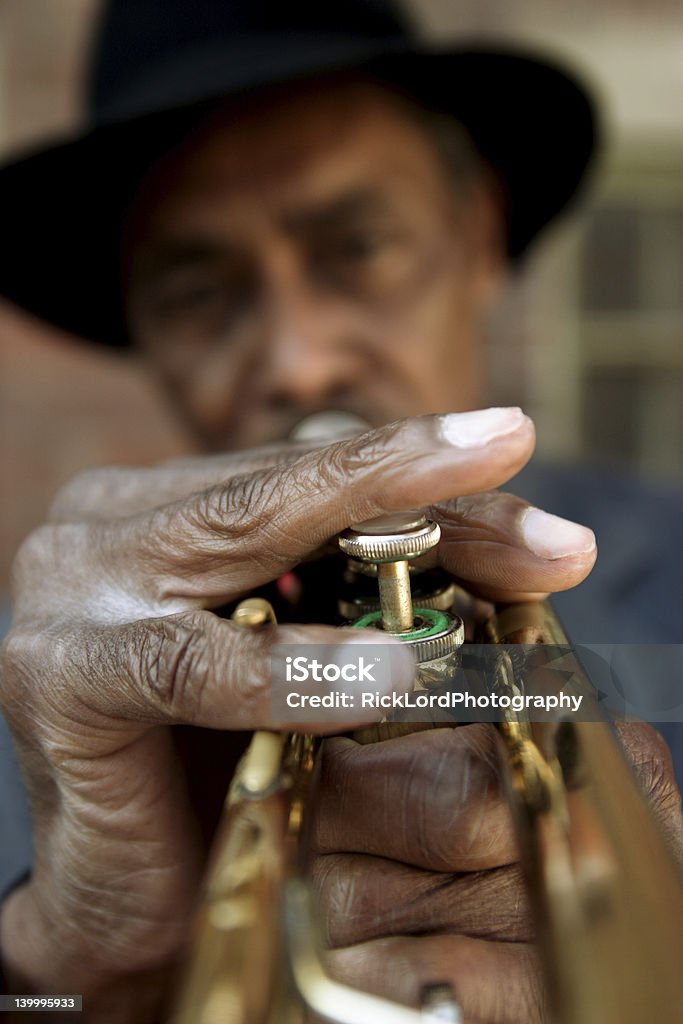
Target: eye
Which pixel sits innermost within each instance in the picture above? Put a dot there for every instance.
(204, 301)
(362, 260)
(358, 246)
(196, 297)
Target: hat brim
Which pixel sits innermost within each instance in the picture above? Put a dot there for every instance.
(62, 210)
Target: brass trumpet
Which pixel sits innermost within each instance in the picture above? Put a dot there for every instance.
(605, 892)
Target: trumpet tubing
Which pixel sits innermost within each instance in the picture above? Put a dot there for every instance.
(604, 890)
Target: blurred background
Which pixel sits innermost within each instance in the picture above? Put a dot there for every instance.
(588, 337)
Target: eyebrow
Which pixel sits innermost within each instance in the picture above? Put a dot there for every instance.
(172, 254)
(176, 254)
(361, 202)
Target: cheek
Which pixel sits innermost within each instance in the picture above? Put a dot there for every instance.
(427, 338)
(216, 385)
(430, 321)
(201, 380)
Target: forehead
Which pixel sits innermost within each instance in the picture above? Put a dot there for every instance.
(288, 151)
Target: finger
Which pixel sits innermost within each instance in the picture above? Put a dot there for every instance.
(242, 534)
(198, 669)
(494, 982)
(504, 549)
(432, 799)
(363, 898)
(220, 544)
(650, 757)
(112, 492)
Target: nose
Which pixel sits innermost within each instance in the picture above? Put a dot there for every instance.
(311, 355)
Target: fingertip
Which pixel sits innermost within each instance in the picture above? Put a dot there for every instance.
(338, 684)
(551, 537)
(481, 426)
(394, 660)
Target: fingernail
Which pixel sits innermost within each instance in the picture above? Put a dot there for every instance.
(474, 429)
(393, 662)
(325, 683)
(550, 536)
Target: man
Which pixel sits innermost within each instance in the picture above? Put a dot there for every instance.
(308, 232)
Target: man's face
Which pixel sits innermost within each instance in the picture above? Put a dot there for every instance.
(311, 253)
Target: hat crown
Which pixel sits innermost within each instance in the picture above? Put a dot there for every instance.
(133, 36)
(159, 62)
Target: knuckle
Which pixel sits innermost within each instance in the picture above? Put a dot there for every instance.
(48, 576)
(652, 763)
(343, 462)
(338, 756)
(500, 908)
(350, 913)
(83, 493)
(326, 873)
(649, 754)
(476, 828)
(13, 658)
(174, 663)
(30, 663)
(239, 510)
(491, 514)
(196, 668)
(250, 684)
(35, 553)
(349, 462)
(214, 509)
(338, 465)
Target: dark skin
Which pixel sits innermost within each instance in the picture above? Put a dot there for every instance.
(255, 307)
(296, 261)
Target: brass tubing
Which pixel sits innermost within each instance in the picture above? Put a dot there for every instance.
(395, 596)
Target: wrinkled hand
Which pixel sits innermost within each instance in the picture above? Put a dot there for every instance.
(417, 872)
(113, 645)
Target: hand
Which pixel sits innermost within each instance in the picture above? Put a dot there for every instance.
(417, 874)
(113, 647)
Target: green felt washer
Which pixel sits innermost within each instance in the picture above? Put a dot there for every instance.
(429, 622)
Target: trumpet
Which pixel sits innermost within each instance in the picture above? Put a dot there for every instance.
(604, 890)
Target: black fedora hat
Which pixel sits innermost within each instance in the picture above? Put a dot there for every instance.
(62, 209)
